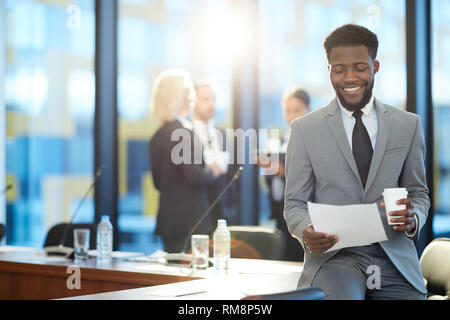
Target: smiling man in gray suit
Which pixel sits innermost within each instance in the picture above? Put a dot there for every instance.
(348, 152)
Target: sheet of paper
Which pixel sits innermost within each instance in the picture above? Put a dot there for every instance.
(355, 225)
(280, 269)
(182, 289)
(16, 249)
(118, 254)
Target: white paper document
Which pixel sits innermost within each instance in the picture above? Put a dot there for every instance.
(354, 225)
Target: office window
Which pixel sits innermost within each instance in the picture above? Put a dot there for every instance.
(441, 105)
(154, 35)
(291, 35)
(49, 97)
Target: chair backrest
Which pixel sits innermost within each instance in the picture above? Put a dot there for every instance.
(2, 231)
(55, 234)
(435, 265)
(261, 242)
(311, 293)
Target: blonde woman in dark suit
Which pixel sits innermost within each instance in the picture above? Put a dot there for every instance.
(179, 171)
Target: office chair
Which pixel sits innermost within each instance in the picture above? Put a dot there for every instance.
(2, 231)
(55, 234)
(311, 293)
(261, 242)
(435, 265)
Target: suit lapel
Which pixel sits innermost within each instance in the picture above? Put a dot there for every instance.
(383, 131)
(336, 125)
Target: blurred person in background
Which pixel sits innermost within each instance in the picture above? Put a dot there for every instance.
(182, 184)
(295, 103)
(213, 140)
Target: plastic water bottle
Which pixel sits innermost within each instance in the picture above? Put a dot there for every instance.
(221, 246)
(104, 239)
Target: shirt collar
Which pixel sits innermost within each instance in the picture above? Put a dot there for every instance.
(366, 110)
(200, 125)
(186, 123)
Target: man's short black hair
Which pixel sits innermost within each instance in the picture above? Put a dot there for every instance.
(352, 35)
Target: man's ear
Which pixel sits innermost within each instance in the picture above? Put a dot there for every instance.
(376, 66)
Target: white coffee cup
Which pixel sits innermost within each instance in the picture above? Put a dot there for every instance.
(391, 195)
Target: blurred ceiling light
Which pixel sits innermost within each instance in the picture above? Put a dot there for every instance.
(225, 34)
(27, 90)
(81, 93)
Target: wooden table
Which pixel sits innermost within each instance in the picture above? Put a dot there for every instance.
(26, 273)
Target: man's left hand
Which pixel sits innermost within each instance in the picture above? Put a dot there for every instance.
(406, 217)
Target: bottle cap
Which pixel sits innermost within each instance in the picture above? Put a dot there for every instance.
(222, 222)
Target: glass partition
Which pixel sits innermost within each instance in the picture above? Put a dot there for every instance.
(154, 35)
(49, 96)
(441, 105)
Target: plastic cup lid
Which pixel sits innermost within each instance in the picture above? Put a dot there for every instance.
(395, 190)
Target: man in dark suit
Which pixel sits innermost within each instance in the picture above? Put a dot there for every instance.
(213, 141)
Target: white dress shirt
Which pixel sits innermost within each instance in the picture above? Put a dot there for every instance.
(213, 142)
(369, 119)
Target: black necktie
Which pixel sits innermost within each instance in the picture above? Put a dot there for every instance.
(362, 148)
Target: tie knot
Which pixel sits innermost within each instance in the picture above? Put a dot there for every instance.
(357, 114)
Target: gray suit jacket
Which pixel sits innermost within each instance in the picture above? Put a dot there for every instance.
(320, 168)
